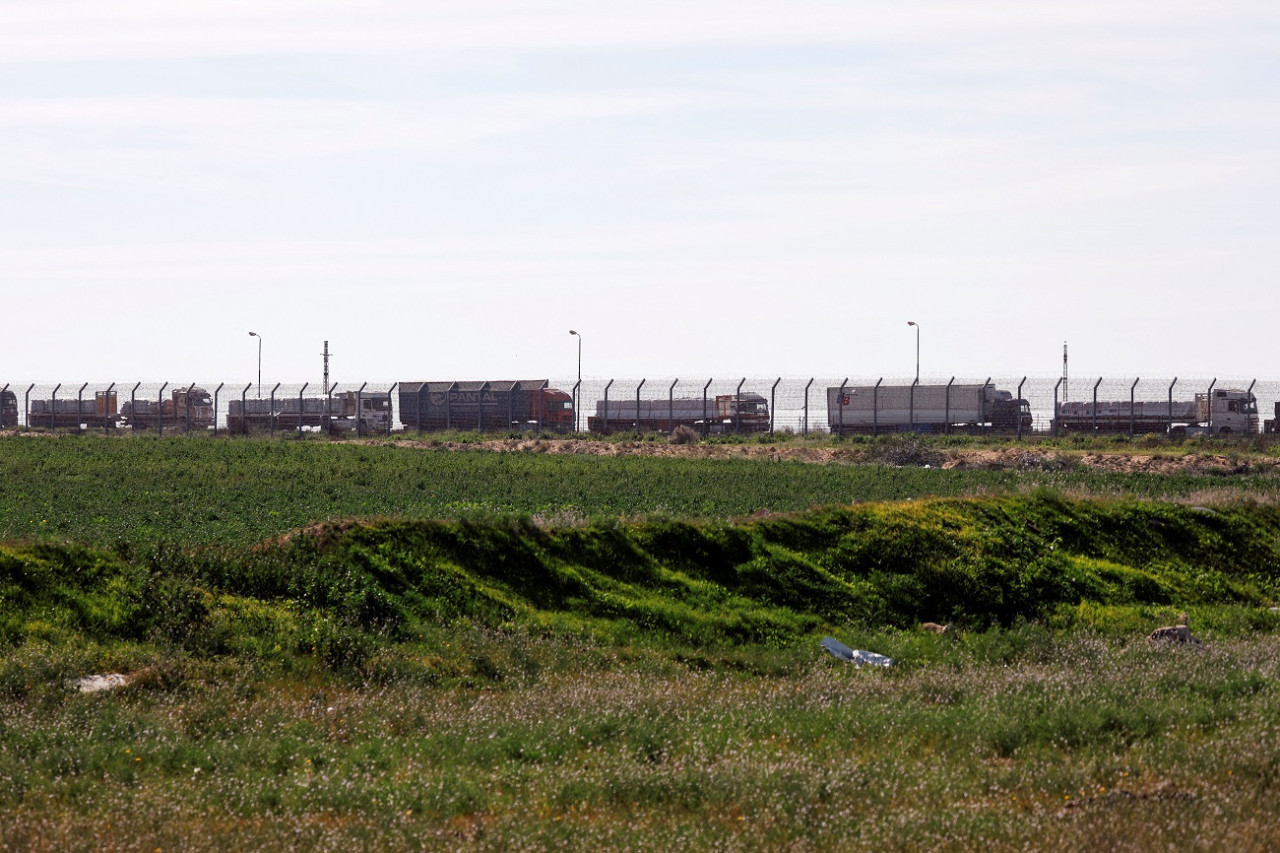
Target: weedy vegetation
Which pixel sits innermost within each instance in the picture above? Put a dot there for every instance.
(336, 647)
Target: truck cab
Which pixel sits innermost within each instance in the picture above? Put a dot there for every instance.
(1232, 411)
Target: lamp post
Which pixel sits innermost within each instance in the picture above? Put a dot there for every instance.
(259, 337)
(917, 325)
(577, 392)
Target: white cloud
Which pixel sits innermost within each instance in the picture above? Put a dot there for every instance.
(62, 30)
(651, 169)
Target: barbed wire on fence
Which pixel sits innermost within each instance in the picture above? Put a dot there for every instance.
(796, 404)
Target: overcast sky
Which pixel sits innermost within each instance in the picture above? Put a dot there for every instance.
(443, 190)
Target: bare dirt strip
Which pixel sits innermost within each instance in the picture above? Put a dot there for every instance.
(1008, 458)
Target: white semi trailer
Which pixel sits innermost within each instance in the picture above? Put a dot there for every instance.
(924, 408)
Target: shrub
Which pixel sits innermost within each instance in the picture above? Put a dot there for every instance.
(684, 434)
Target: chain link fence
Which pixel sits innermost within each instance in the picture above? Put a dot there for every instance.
(801, 405)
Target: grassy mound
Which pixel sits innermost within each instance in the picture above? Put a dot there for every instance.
(347, 596)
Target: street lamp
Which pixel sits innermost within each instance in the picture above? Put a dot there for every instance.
(259, 337)
(917, 325)
(577, 389)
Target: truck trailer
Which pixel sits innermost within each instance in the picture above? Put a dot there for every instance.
(185, 408)
(504, 405)
(1233, 411)
(75, 412)
(364, 412)
(1272, 426)
(724, 413)
(8, 409)
(924, 408)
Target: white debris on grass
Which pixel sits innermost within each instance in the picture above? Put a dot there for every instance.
(857, 657)
(98, 683)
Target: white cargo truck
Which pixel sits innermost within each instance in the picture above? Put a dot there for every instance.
(924, 408)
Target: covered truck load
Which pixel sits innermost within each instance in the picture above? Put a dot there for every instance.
(524, 404)
(924, 408)
(724, 413)
(338, 413)
(74, 412)
(185, 408)
(1233, 411)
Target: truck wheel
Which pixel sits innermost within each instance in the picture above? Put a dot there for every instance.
(1225, 431)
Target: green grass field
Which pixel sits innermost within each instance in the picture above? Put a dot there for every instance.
(491, 651)
(197, 491)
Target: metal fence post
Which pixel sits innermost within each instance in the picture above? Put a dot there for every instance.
(638, 387)
(1095, 405)
(1132, 389)
(806, 405)
(946, 429)
(360, 410)
(840, 402)
(706, 427)
(328, 408)
(26, 406)
(875, 408)
(215, 408)
(1169, 431)
(133, 408)
(187, 429)
(106, 401)
(1249, 392)
(737, 408)
(391, 408)
(671, 405)
(327, 417)
(773, 402)
(1209, 404)
(983, 428)
(480, 408)
(53, 409)
(80, 406)
(301, 391)
(911, 411)
(577, 406)
(605, 428)
(160, 410)
(273, 408)
(244, 411)
(1054, 423)
(1018, 405)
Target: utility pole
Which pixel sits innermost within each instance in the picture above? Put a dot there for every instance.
(1066, 395)
(325, 389)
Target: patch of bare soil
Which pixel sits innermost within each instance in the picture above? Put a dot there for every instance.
(588, 447)
(998, 459)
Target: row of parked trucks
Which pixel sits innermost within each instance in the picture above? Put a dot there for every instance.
(192, 408)
(534, 405)
(184, 408)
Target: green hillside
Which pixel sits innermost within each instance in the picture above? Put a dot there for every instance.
(352, 591)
